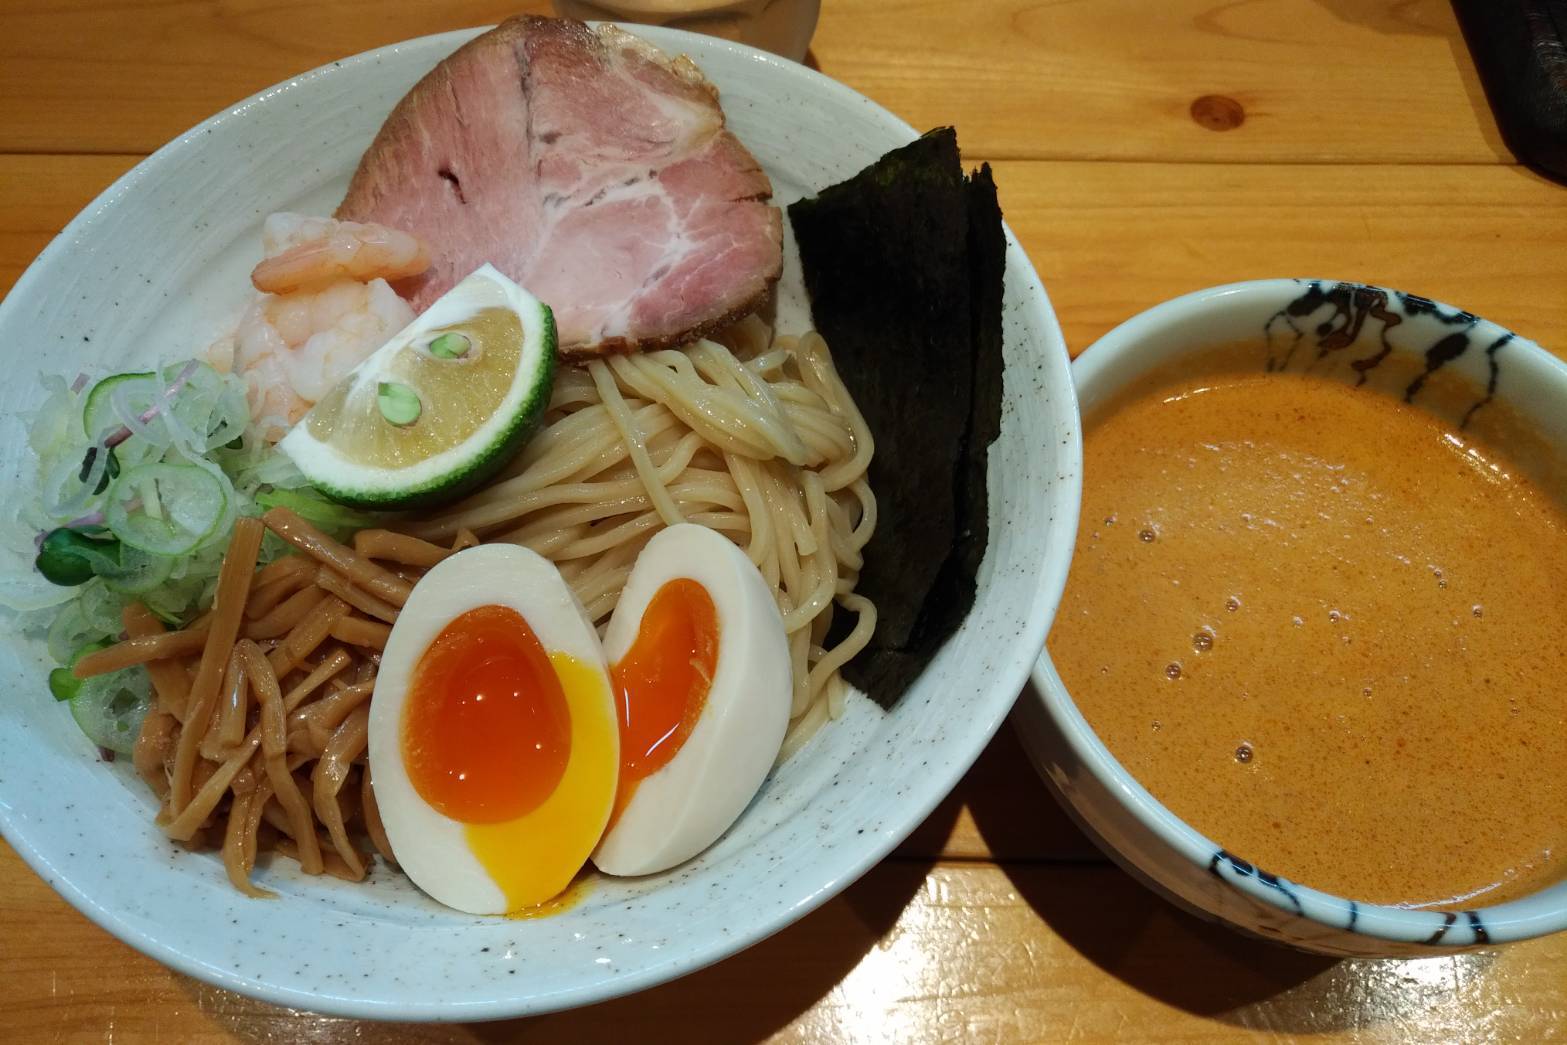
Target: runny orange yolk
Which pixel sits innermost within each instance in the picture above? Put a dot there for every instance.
(486, 732)
(661, 683)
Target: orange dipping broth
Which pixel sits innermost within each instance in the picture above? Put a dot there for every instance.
(1327, 630)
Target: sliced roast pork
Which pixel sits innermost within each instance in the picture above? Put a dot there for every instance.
(588, 166)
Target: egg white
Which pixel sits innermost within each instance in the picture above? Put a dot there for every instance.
(431, 847)
(688, 804)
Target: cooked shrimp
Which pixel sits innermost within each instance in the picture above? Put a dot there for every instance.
(293, 348)
(303, 251)
(325, 307)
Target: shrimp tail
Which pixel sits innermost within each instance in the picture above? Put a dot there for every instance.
(361, 251)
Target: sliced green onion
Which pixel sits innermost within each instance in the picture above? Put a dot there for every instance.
(450, 345)
(399, 404)
(152, 468)
(166, 509)
(99, 417)
(109, 708)
(68, 557)
(146, 486)
(69, 629)
(138, 572)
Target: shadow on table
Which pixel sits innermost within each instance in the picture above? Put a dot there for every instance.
(746, 998)
(754, 994)
(1021, 821)
(1127, 930)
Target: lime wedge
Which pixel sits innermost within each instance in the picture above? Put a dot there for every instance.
(418, 422)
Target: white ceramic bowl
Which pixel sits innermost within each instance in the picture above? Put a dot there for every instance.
(1322, 327)
(159, 262)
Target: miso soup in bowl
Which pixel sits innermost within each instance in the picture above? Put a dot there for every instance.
(1307, 676)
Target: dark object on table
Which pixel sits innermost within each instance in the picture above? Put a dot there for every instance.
(1520, 50)
(904, 266)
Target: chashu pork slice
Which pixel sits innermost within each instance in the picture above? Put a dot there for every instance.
(589, 167)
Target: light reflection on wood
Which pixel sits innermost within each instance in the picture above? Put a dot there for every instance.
(958, 951)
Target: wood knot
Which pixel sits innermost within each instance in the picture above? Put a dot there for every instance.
(1218, 112)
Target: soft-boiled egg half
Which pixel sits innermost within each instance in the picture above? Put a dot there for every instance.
(700, 666)
(494, 743)
(507, 743)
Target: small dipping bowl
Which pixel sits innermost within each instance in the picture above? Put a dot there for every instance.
(1452, 363)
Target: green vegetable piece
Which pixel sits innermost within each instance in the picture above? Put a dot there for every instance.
(111, 468)
(450, 345)
(399, 404)
(64, 684)
(314, 509)
(68, 558)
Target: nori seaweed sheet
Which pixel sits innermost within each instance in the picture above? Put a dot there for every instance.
(987, 252)
(904, 265)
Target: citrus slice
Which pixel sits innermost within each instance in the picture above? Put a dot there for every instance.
(438, 408)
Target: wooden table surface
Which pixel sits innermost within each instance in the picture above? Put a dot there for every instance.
(1143, 150)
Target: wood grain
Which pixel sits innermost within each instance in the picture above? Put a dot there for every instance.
(39, 195)
(1111, 239)
(912, 953)
(1385, 81)
(1316, 80)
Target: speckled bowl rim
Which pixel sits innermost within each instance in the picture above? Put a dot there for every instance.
(1546, 909)
(839, 868)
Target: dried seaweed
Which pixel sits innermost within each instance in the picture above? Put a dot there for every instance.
(904, 266)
